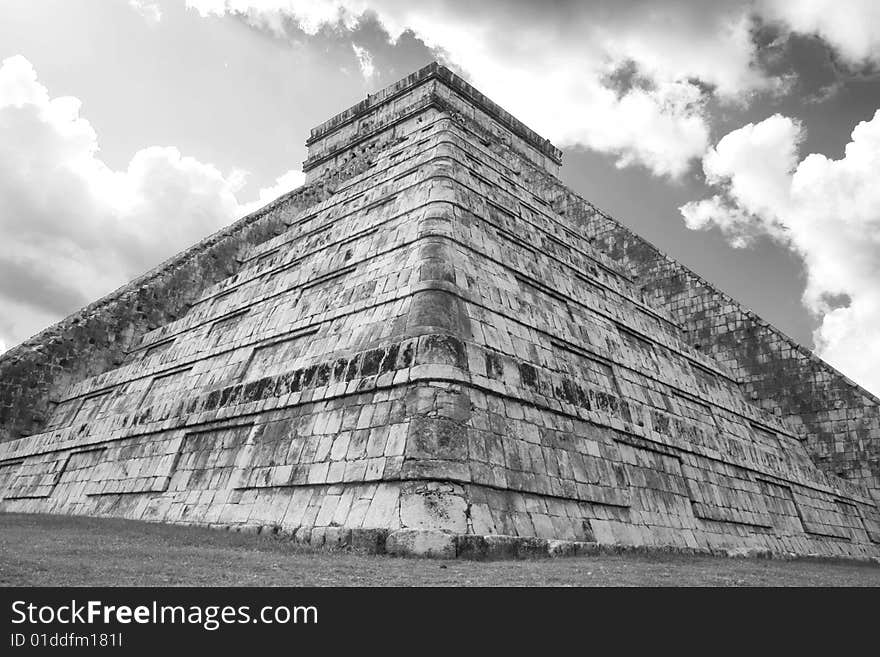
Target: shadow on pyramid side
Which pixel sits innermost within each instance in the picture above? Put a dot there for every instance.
(435, 361)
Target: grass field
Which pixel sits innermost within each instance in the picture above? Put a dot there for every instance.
(37, 550)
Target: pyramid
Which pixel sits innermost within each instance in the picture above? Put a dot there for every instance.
(432, 348)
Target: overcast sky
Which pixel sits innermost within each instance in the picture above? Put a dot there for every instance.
(742, 138)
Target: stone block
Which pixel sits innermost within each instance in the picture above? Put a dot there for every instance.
(471, 546)
(558, 548)
(337, 538)
(499, 546)
(747, 553)
(433, 505)
(421, 543)
(368, 541)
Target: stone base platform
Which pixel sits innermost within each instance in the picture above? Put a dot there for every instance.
(435, 544)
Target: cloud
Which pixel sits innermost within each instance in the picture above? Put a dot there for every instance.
(147, 9)
(283, 184)
(73, 228)
(851, 27)
(825, 210)
(28, 282)
(365, 61)
(754, 164)
(553, 66)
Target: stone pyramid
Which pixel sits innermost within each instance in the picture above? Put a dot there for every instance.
(432, 347)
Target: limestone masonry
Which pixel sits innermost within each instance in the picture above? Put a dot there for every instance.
(434, 347)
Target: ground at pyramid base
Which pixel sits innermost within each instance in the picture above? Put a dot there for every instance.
(434, 345)
(56, 550)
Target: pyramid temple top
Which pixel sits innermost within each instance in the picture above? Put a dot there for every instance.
(434, 85)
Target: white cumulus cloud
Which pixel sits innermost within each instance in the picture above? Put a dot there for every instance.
(826, 210)
(283, 184)
(147, 9)
(74, 229)
(365, 61)
(552, 65)
(851, 27)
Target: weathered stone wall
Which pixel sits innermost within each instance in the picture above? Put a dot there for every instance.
(838, 420)
(34, 374)
(97, 337)
(433, 348)
(382, 119)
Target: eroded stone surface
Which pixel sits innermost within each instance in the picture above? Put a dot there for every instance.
(421, 543)
(432, 356)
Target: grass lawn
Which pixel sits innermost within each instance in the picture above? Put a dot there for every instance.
(42, 550)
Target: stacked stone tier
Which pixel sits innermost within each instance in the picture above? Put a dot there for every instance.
(434, 346)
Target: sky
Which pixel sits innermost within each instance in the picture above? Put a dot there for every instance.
(740, 137)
